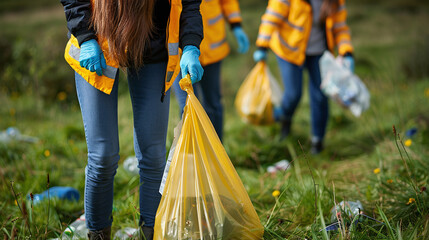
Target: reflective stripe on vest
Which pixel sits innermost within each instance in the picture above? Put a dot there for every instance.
(215, 19)
(284, 43)
(285, 2)
(264, 37)
(109, 71)
(269, 22)
(234, 15)
(173, 49)
(217, 44)
(272, 13)
(339, 25)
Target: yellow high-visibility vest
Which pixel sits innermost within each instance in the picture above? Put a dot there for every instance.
(286, 26)
(105, 82)
(214, 46)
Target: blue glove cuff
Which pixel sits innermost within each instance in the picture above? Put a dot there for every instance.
(191, 48)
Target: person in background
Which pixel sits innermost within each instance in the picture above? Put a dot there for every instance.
(143, 37)
(298, 32)
(214, 48)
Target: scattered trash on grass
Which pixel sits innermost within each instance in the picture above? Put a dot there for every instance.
(349, 212)
(131, 165)
(13, 134)
(64, 193)
(411, 132)
(76, 230)
(279, 166)
(126, 233)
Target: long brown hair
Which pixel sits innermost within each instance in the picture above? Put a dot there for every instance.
(127, 26)
(329, 7)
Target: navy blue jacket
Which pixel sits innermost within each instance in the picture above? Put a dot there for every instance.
(78, 15)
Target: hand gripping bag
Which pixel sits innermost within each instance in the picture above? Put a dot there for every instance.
(203, 197)
(258, 95)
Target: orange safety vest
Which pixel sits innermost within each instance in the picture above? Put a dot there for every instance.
(214, 46)
(286, 26)
(105, 82)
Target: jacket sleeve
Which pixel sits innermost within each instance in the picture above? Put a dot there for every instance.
(191, 24)
(78, 15)
(341, 30)
(277, 11)
(231, 11)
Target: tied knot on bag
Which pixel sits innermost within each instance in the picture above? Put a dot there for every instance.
(186, 84)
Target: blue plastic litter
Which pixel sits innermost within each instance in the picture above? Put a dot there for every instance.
(410, 132)
(64, 193)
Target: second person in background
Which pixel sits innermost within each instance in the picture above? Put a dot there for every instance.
(214, 48)
(298, 32)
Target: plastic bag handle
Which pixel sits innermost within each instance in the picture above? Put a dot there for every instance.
(186, 84)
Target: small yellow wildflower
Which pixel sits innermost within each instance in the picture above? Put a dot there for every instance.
(12, 112)
(411, 200)
(408, 142)
(389, 181)
(47, 153)
(276, 193)
(427, 92)
(62, 96)
(377, 170)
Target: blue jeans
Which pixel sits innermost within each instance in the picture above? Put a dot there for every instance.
(100, 119)
(211, 95)
(292, 80)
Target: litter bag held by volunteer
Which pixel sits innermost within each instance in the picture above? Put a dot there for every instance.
(203, 196)
(258, 95)
(343, 86)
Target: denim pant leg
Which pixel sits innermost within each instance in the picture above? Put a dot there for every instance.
(210, 87)
(318, 100)
(292, 81)
(150, 132)
(100, 119)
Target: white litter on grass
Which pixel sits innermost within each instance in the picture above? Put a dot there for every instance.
(131, 165)
(281, 165)
(126, 233)
(13, 134)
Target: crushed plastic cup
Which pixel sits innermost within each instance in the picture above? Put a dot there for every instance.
(351, 208)
(63, 193)
(279, 166)
(131, 165)
(13, 134)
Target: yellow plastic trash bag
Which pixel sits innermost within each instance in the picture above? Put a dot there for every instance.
(258, 95)
(203, 197)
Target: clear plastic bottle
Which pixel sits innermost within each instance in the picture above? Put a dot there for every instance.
(76, 230)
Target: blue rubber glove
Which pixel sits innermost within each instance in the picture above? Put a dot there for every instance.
(242, 40)
(349, 62)
(189, 63)
(260, 55)
(91, 57)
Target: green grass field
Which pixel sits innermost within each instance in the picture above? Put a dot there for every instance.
(364, 159)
